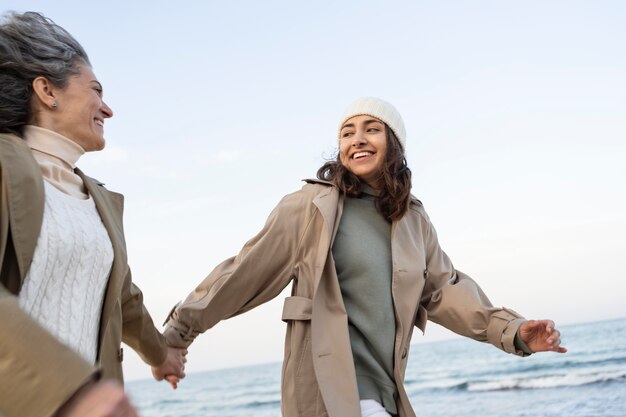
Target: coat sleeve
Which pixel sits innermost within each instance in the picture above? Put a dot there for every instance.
(455, 301)
(38, 373)
(261, 270)
(138, 330)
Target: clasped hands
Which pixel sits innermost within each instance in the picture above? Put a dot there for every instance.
(173, 368)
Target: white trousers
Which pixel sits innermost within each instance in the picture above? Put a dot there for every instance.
(372, 408)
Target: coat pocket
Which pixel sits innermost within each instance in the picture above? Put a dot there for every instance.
(300, 388)
(297, 313)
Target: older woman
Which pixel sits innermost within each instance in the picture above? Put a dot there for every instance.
(366, 268)
(67, 300)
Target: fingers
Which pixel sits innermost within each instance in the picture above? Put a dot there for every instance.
(178, 370)
(541, 336)
(555, 338)
(549, 325)
(554, 341)
(556, 347)
(174, 363)
(539, 325)
(173, 381)
(173, 368)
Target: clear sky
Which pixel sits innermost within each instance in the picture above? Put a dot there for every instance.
(515, 113)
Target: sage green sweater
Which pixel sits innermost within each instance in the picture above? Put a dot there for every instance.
(362, 254)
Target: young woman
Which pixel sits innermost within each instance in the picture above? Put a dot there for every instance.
(366, 268)
(67, 299)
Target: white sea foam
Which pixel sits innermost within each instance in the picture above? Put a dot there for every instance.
(549, 381)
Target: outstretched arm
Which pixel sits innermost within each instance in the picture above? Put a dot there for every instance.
(264, 266)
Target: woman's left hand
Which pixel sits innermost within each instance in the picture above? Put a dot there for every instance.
(541, 336)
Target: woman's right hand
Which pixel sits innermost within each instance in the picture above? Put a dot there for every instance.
(98, 399)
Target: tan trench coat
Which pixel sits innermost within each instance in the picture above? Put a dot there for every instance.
(37, 372)
(318, 372)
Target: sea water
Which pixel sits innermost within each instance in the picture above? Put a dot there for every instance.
(459, 377)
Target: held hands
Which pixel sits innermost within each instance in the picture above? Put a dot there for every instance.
(173, 369)
(98, 399)
(541, 336)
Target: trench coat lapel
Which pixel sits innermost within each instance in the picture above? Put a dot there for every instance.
(332, 355)
(25, 186)
(326, 203)
(110, 206)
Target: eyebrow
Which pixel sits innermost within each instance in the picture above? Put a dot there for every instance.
(367, 122)
(97, 82)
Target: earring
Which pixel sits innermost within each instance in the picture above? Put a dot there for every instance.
(54, 105)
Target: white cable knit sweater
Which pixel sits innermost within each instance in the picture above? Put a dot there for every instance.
(65, 284)
(64, 287)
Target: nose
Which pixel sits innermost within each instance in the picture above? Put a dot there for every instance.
(358, 138)
(106, 110)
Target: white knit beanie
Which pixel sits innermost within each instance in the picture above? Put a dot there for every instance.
(379, 109)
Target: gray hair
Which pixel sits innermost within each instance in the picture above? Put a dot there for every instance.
(31, 45)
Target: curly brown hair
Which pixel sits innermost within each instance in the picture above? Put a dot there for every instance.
(395, 179)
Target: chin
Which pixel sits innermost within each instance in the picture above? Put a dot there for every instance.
(97, 146)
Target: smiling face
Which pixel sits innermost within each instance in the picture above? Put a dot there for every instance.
(80, 111)
(362, 148)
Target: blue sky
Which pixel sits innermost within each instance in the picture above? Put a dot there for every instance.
(516, 138)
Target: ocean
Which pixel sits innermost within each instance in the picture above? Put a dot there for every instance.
(458, 377)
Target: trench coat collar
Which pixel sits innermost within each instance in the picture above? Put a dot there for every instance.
(26, 190)
(327, 203)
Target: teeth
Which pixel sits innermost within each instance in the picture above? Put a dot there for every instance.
(361, 154)
(99, 123)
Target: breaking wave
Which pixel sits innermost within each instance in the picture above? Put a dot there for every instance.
(549, 381)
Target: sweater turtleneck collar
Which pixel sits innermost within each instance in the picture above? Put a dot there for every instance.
(51, 143)
(57, 157)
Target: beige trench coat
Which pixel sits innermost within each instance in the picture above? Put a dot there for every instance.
(37, 372)
(294, 246)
